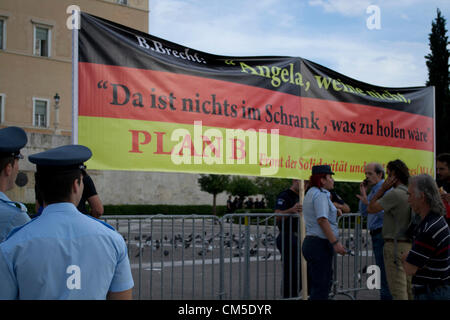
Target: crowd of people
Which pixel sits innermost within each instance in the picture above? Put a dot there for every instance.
(244, 203)
(407, 217)
(65, 252)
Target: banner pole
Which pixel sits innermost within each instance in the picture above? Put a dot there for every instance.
(434, 133)
(302, 237)
(74, 138)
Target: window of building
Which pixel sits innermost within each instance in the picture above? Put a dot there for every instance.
(40, 113)
(2, 107)
(124, 2)
(2, 34)
(42, 41)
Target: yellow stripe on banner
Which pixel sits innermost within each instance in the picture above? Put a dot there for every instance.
(123, 144)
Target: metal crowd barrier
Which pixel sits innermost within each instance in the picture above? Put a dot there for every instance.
(176, 257)
(350, 271)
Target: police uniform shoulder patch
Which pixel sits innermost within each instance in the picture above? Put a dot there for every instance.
(17, 205)
(13, 231)
(102, 222)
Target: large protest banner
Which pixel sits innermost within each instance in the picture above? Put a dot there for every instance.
(147, 104)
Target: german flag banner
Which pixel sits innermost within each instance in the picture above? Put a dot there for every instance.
(147, 104)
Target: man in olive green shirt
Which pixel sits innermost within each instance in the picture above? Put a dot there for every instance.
(397, 216)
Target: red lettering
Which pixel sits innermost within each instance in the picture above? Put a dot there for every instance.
(135, 140)
(208, 142)
(235, 149)
(160, 143)
(187, 144)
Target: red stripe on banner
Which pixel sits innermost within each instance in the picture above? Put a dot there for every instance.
(127, 93)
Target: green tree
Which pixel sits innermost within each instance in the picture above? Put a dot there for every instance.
(271, 187)
(438, 76)
(213, 184)
(242, 187)
(348, 191)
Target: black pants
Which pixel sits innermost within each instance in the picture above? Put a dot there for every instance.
(319, 254)
(290, 253)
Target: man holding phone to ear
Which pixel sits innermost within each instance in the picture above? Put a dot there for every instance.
(374, 180)
(397, 216)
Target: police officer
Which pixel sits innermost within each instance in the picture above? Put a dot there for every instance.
(64, 254)
(288, 238)
(12, 214)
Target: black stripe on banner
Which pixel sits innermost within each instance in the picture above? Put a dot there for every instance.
(108, 43)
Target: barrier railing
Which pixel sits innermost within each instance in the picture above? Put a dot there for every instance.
(350, 271)
(232, 257)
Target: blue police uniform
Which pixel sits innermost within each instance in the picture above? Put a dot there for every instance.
(316, 249)
(12, 214)
(63, 254)
(317, 204)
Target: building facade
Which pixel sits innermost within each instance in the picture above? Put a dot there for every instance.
(36, 94)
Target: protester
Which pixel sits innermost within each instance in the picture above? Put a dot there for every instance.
(263, 203)
(230, 205)
(374, 179)
(429, 259)
(12, 214)
(64, 254)
(249, 204)
(287, 241)
(338, 202)
(396, 219)
(322, 234)
(443, 180)
(90, 196)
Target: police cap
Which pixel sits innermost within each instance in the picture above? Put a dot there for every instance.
(12, 139)
(326, 169)
(65, 158)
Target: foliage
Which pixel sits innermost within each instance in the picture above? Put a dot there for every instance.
(242, 187)
(439, 77)
(271, 187)
(348, 191)
(149, 209)
(213, 184)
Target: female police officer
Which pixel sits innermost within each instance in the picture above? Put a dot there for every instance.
(64, 254)
(321, 240)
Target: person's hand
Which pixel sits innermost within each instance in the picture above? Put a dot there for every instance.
(404, 256)
(363, 193)
(363, 186)
(389, 183)
(445, 197)
(339, 248)
(339, 213)
(297, 208)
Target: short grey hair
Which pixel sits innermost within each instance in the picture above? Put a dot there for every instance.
(378, 168)
(426, 184)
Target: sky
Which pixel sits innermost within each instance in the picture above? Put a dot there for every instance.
(381, 42)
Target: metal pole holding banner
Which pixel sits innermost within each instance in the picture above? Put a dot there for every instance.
(74, 139)
(434, 131)
(302, 237)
